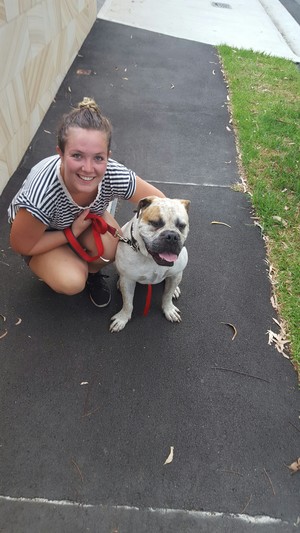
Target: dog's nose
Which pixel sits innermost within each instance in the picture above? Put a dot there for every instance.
(171, 236)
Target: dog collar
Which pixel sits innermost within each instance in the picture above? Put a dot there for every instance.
(132, 241)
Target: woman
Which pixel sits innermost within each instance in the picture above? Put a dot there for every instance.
(60, 192)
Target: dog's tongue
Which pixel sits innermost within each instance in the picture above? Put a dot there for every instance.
(168, 257)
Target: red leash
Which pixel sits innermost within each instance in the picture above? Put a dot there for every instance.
(148, 300)
(99, 227)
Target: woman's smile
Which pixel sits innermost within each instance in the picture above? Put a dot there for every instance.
(84, 160)
(86, 178)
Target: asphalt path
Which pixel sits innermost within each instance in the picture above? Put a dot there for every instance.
(293, 7)
(88, 417)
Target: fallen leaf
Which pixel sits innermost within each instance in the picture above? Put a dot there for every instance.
(280, 220)
(221, 223)
(274, 302)
(19, 320)
(3, 318)
(214, 72)
(228, 128)
(84, 383)
(233, 327)
(256, 223)
(279, 342)
(3, 334)
(83, 72)
(295, 466)
(172, 86)
(47, 131)
(170, 456)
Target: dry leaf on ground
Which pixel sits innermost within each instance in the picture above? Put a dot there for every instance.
(279, 339)
(220, 223)
(233, 327)
(170, 456)
(280, 220)
(295, 466)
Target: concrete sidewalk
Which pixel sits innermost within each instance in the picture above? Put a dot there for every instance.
(261, 25)
(87, 417)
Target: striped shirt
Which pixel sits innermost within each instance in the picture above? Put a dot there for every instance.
(45, 195)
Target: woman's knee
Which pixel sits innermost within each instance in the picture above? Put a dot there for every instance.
(69, 284)
(62, 271)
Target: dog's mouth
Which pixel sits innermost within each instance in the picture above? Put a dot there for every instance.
(164, 258)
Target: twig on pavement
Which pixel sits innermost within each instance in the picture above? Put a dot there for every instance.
(269, 479)
(247, 504)
(231, 472)
(77, 468)
(294, 426)
(238, 372)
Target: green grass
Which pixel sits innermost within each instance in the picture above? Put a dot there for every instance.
(265, 104)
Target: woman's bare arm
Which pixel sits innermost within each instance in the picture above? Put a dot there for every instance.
(143, 189)
(28, 235)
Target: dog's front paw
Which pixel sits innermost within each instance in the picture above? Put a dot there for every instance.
(118, 322)
(172, 313)
(176, 293)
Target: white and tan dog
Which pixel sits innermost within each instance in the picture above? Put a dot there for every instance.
(156, 236)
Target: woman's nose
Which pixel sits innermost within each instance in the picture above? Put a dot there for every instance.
(87, 165)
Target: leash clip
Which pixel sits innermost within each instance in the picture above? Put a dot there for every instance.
(132, 244)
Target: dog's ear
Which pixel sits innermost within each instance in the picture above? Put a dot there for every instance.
(143, 203)
(186, 204)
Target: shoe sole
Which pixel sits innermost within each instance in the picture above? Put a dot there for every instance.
(101, 305)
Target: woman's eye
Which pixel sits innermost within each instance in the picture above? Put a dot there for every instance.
(76, 156)
(99, 158)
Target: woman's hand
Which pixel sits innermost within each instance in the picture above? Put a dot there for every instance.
(81, 223)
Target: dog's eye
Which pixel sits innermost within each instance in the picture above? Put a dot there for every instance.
(181, 226)
(156, 223)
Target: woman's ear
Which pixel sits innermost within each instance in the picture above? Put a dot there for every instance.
(59, 151)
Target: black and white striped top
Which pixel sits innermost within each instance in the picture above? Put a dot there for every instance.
(45, 195)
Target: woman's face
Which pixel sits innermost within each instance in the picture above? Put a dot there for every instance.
(84, 160)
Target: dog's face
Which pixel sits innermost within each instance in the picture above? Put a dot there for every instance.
(163, 225)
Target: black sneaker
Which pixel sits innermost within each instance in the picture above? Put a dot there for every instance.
(99, 289)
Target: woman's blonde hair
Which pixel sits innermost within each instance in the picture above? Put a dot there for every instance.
(86, 115)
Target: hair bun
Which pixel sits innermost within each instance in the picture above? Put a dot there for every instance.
(89, 103)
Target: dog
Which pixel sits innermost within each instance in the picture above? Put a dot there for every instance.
(153, 251)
